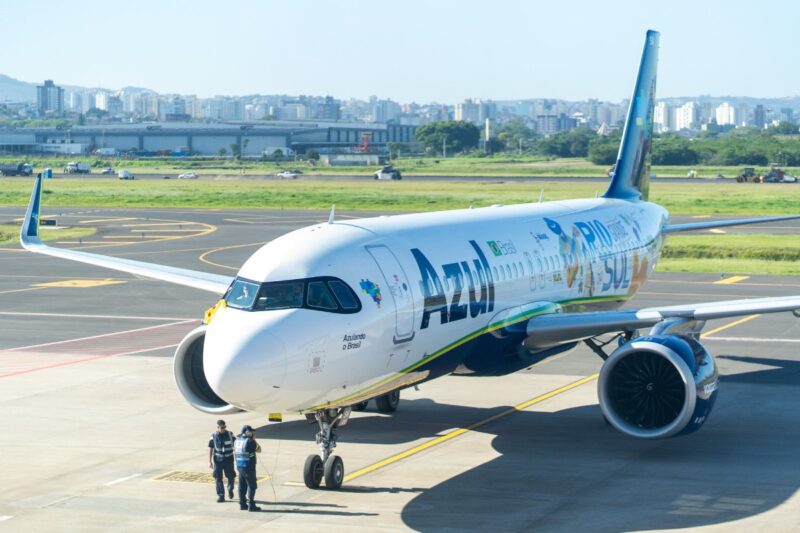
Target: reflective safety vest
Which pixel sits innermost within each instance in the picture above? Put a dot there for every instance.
(223, 444)
(243, 457)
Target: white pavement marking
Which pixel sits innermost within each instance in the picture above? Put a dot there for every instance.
(21, 348)
(121, 480)
(110, 317)
(751, 339)
(143, 351)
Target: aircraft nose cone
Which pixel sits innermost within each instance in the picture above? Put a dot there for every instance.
(245, 364)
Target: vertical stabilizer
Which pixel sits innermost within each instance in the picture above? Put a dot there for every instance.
(630, 179)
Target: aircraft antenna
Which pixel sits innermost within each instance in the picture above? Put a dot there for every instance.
(541, 195)
(333, 213)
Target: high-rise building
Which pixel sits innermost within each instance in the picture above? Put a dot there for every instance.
(330, 110)
(687, 117)
(476, 110)
(75, 102)
(385, 110)
(50, 98)
(759, 117)
(101, 100)
(114, 105)
(663, 117)
(786, 115)
(726, 115)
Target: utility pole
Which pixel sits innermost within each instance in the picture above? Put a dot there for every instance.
(520, 145)
(444, 147)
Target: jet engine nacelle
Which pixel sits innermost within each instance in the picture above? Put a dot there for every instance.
(191, 378)
(658, 386)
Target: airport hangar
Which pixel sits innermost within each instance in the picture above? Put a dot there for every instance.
(253, 139)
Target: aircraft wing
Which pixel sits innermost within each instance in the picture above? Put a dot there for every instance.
(560, 328)
(694, 226)
(29, 238)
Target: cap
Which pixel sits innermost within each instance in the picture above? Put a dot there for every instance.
(246, 428)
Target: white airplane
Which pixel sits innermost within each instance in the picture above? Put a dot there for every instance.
(328, 317)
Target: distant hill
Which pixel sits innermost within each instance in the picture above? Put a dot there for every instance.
(16, 91)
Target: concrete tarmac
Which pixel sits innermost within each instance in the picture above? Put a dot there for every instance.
(99, 438)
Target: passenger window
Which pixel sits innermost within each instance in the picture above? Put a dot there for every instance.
(508, 271)
(495, 273)
(516, 272)
(343, 293)
(319, 296)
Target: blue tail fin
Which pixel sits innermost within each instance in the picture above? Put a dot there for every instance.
(630, 179)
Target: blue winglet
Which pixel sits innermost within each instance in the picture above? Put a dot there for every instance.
(630, 179)
(29, 234)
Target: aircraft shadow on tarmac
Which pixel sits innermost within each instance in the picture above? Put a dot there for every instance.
(568, 470)
(784, 371)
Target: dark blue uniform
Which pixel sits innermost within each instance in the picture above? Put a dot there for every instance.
(245, 450)
(222, 444)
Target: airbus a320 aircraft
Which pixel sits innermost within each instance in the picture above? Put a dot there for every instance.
(328, 317)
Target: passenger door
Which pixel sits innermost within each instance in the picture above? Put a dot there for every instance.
(398, 290)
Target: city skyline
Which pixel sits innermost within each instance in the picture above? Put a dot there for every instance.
(423, 53)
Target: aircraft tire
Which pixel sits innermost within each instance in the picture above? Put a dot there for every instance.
(334, 472)
(388, 402)
(313, 471)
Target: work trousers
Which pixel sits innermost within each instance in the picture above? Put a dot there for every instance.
(247, 486)
(224, 466)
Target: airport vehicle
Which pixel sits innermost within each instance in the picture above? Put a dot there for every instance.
(287, 174)
(125, 175)
(16, 169)
(328, 317)
(108, 171)
(187, 176)
(748, 174)
(388, 172)
(77, 168)
(777, 175)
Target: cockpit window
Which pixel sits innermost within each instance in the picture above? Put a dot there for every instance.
(319, 296)
(343, 293)
(322, 294)
(280, 296)
(242, 294)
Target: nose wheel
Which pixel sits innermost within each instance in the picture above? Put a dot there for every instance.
(326, 465)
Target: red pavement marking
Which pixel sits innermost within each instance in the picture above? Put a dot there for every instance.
(128, 342)
(102, 336)
(84, 360)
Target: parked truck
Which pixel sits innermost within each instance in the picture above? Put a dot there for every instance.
(16, 169)
(77, 168)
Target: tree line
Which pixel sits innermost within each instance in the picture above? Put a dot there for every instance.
(742, 146)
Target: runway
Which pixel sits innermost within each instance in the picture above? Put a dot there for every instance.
(99, 439)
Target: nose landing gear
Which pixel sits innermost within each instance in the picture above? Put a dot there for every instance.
(326, 465)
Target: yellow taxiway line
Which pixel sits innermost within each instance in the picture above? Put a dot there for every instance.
(731, 280)
(460, 431)
(515, 409)
(727, 326)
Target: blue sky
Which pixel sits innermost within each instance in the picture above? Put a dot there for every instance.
(409, 50)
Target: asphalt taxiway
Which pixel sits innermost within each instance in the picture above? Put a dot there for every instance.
(99, 439)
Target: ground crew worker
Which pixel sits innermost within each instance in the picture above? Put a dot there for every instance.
(245, 449)
(220, 459)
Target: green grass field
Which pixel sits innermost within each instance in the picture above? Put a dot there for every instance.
(9, 233)
(733, 254)
(766, 254)
(679, 198)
